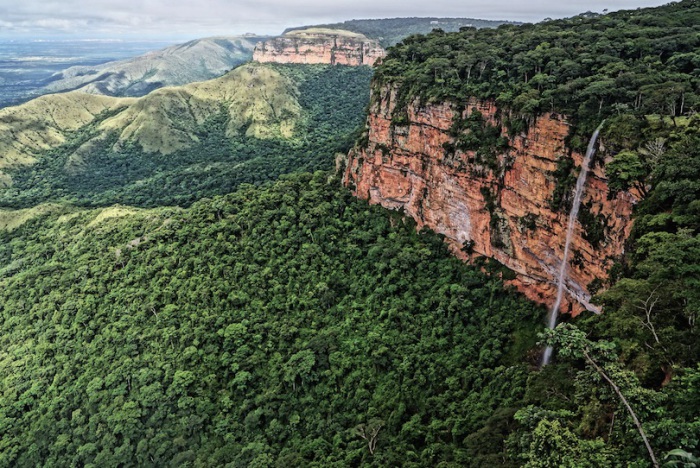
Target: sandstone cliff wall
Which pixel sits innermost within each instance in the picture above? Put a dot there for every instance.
(319, 47)
(504, 214)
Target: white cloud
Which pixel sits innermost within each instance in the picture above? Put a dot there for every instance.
(206, 17)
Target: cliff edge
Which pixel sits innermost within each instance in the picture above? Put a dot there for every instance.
(500, 208)
(320, 46)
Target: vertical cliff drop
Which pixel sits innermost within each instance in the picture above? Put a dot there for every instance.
(573, 216)
(502, 209)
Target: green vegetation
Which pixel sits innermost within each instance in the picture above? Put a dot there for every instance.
(285, 323)
(637, 62)
(278, 326)
(640, 70)
(94, 169)
(647, 342)
(389, 31)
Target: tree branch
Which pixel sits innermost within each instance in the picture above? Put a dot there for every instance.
(627, 405)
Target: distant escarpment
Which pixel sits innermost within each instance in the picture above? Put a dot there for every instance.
(320, 46)
(389, 31)
(491, 192)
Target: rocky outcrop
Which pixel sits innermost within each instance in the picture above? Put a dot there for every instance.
(320, 46)
(500, 210)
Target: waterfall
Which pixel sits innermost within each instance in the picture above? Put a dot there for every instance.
(573, 215)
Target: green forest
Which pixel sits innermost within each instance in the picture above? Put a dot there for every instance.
(625, 64)
(232, 304)
(638, 70)
(274, 326)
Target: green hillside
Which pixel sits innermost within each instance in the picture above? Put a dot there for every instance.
(177, 145)
(197, 60)
(184, 282)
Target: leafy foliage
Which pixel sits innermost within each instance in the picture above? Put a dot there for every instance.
(640, 71)
(270, 327)
(589, 67)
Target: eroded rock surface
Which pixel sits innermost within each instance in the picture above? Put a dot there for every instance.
(503, 213)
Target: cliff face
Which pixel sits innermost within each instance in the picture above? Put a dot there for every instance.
(503, 212)
(320, 46)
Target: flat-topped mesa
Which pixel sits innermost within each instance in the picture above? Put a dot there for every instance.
(320, 46)
(500, 208)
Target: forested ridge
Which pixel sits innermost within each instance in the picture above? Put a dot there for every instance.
(588, 67)
(389, 31)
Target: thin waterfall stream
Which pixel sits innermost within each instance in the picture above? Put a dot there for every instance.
(573, 215)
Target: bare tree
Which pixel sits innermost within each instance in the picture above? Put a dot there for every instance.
(647, 306)
(369, 432)
(653, 150)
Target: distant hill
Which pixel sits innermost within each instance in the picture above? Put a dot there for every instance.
(392, 30)
(197, 60)
(26, 65)
(164, 121)
(178, 144)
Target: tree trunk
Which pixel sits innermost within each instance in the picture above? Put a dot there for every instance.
(627, 405)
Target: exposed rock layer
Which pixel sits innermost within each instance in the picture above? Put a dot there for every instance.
(504, 214)
(320, 46)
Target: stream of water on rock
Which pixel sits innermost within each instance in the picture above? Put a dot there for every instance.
(573, 215)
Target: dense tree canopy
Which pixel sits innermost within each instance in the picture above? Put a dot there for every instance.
(287, 324)
(590, 66)
(270, 327)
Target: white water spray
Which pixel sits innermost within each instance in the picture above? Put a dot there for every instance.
(573, 215)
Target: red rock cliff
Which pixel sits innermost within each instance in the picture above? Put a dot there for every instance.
(320, 46)
(503, 214)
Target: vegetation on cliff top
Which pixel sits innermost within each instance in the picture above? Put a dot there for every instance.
(292, 325)
(389, 31)
(589, 67)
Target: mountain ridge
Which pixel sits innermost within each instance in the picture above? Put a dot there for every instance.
(162, 121)
(172, 66)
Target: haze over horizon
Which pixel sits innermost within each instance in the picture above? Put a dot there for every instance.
(182, 19)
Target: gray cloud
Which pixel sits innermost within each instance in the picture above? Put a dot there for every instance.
(188, 18)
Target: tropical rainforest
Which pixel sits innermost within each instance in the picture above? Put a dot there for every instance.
(230, 303)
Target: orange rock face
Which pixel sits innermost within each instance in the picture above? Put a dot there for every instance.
(407, 167)
(320, 47)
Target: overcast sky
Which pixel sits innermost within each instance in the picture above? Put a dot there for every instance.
(198, 18)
